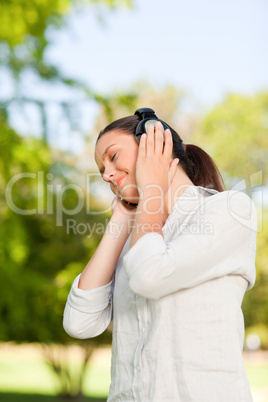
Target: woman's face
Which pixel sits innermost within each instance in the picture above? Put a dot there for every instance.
(116, 156)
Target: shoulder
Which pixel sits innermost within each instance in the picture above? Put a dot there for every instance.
(234, 206)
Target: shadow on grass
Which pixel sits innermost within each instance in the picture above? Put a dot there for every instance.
(19, 397)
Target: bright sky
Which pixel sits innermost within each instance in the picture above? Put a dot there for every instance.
(207, 47)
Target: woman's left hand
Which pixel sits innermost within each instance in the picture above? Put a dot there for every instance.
(155, 168)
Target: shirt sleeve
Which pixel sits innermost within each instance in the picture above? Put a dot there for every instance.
(156, 268)
(87, 313)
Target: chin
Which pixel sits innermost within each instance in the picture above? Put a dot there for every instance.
(130, 195)
(132, 200)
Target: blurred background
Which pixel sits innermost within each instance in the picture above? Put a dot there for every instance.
(67, 68)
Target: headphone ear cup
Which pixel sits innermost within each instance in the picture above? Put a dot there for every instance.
(140, 129)
(151, 122)
(143, 126)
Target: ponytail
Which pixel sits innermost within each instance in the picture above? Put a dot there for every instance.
(201, 168)
(197, 164)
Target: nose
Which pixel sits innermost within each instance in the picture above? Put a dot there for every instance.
(108, 174)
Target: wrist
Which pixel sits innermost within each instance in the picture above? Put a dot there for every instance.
(147, 221)
(119, 217)
(152, 202)
(120, 224)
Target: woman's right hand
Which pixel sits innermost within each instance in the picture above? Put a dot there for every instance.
(100, 269)
(123, 213)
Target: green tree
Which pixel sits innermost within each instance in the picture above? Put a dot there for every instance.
(166, 100)
(235, 134)
(25, 34)
(38, 258)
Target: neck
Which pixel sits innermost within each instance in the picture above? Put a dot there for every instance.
(178, 185)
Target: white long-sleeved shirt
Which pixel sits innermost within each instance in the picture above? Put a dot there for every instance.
(178, 328)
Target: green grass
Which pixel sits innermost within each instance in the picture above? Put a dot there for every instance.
(32, 376)
(257, 375)
(21, 397)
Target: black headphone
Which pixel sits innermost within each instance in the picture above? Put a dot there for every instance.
(148, 117)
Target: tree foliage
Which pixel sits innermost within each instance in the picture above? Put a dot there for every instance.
(24, 38)
(166, 100)
(38, 258)
(235, 133)
(30, 19)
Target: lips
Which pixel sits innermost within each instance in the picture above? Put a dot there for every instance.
(118, 181)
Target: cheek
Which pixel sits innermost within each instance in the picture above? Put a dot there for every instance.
(131, 162)
(113, 189)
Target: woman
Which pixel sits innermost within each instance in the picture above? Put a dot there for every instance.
(172, 272)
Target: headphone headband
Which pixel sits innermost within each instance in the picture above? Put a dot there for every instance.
(145, 112)
(147, 117)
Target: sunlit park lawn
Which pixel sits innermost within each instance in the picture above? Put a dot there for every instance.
(24, 377)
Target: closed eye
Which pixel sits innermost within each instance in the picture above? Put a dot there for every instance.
(101, 170)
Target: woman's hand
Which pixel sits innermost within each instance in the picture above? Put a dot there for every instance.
(100, 269)
(122, 215)
(155, 168)
(155, 171)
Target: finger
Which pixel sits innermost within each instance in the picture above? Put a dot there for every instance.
(142, 146)
(172, 169)
(150, 141)
(174, 165)
(168, 147)
(159, 138)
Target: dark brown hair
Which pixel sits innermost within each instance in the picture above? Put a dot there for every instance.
(197, 164)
